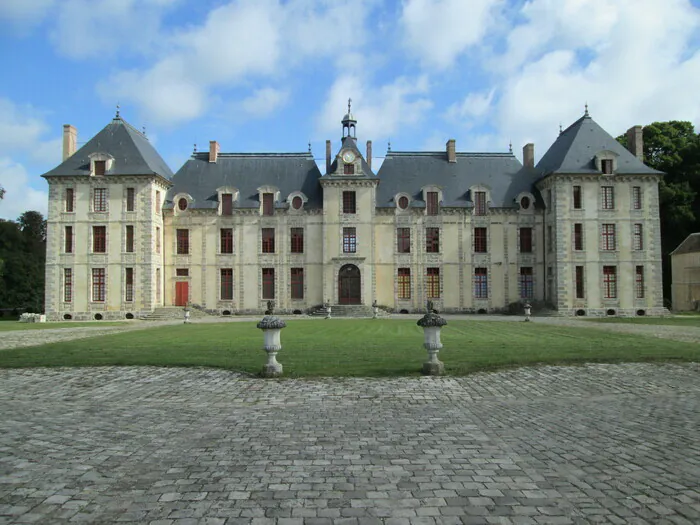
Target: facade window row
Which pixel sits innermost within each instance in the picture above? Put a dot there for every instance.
(100, 200)
(607, 197)
(610, 282)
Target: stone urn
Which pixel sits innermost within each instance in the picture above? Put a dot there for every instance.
(432, 323)
(328, 310)
(528, 311)
(375, 310)
(272, 327)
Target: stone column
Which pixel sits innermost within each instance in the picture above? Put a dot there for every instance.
(432, 324)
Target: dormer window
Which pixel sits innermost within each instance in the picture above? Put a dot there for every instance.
(606, 162)
(349, 169)
(526, 203)
(227, 196)
(296, 201)
(182, 204)
(100, 163)
(433, 207)
(607, 166)
(479, 203)
(267, 197)
(268, 204)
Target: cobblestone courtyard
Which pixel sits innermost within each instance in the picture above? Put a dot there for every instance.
(590, 444)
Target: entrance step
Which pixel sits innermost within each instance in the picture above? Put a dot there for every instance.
(169, 313)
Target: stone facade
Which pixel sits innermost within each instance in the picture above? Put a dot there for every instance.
(685, 266)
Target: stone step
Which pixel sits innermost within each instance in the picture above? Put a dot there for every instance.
(167, 313)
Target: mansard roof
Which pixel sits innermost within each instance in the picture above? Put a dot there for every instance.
(132, 152)
(575, 150)
(351, 144)
(691, 244)
(288, 172)
(408, 172)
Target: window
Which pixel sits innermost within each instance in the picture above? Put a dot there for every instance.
(608, 198)
(609, 282)
(432, 240)
(432, 204)
(268, 240)
(268, 204)
(157, 239)
(481, 284)
(578, 236)
(100, 167)
(70, 200)
(183, 242)
(606, 166)
(157, 208)
(403, 202)
(349, 240)
(579, 282)
(268, 283)
(129, 244)
(68, 238)
(432, 283)
(297, 240)
(403, 240)
(525, 240)
(639, 282)
(182, 204)
(297, 202)
(525, 203)
(577, 197)
(99, 239)
(130, 199)
(227, 284)
(636, 198)
(226, 204)
(608, 237)
(99, 200)
(349, 202)
(480, 242)
(182, 272)
(349, 169)
(526, 284)
(550, 239)
(226, 240)
(297, 283)
(98, 285)
(404, 283)
(479, 203)
(158, 286)
(67, 285)
(638, 237)
(128, 284)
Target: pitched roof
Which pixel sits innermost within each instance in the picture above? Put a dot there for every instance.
(351, 144)
(691, 244)
(133, 153)
(575, 149)
(408, 172)
(288, 172)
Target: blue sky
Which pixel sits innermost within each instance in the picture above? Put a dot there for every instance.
(274, 75)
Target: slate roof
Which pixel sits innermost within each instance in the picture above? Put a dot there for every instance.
(133, 153)
(575, 149)
(691, 244)
(288, 172)
(351, 144)
(409, 171)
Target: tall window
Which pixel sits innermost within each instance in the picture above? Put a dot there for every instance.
(404, 283)
(226, 204)
(349, 202)
(130, 199)
(403, 240)
(432, 283)
(481, 283)
(638, 237)
(349, 240)
(183, 242)
(268, 283)
(579, 282)
(608, 197)
(157, 239)
(98, 285)
(128, 284)
(100, 167)
(577, 197)
(480, 241)
(70, 200)
(432, 205)
(607, 166)
(608, 237)
(68, 238)
(129, 244)
(227, 284)
(639, 282)
(432, 240)
(99, 239)
(67, 285)
(349, 169)
(479, 203)
(526, 283)
(636, 197)
(297, 240)
(609, 282)
(268, 204)
(526, 240)
(226, 240)
(578, 236)
(99, 200)
(268, 240)
(157, 207)
(297, 283)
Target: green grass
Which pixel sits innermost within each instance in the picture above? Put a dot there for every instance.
(685, 320)
(353, 348)
(16, 325)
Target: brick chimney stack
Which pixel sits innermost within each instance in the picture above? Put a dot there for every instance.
(213, 151)
(328, 156)
(70, 140)
(451, 151)
(635, 142)
(369, 154)
(529, 155)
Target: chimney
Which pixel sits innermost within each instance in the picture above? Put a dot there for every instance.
(529, 155)
(213, 150)
(369, 154)
(451, 151)
(70, 140)
(328, 156)
(635, 142)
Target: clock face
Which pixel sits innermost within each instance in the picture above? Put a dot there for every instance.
(348, 156)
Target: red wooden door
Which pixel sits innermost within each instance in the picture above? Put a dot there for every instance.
(181, 293)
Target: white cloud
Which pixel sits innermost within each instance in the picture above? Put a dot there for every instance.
(263, 102)
(19, 196)
(25, 13)
(23, 129)
(473, 105)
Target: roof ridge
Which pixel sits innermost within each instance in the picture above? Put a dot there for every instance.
(458, 153)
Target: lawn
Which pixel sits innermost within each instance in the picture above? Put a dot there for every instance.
(16, 325)
(353, 347)
(681, 320)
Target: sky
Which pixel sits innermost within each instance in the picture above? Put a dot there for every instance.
(276, 75)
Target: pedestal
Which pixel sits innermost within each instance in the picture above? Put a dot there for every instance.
(432, 324)
(272, 328)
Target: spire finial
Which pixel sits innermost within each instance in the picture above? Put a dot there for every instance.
(510, 146)
(143, 130)
(389, 145)
(117, 115)
(586, 113)
(560, 129)
(195, 148)
(309, 146)
(349, 104)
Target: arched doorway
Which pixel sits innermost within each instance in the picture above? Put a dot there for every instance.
(349, 285)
